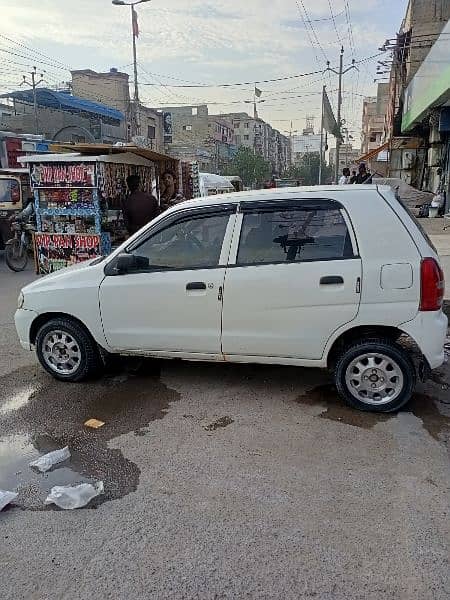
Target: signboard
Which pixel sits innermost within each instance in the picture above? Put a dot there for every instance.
(54, 251)
(75, 198)
(168, 127)
(430, 86)
(81, 175)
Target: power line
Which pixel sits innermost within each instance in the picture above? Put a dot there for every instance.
(339, 39)
(42, 62)
(34, 51)
(328, 18)
(313, 31)
(308, 33)
(245, 83)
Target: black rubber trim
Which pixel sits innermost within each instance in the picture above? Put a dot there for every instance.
(247, 206)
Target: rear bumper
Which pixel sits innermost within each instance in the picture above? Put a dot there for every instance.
(23, 320)
(429, 330)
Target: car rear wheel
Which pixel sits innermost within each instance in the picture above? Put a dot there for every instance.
(375, 375)
(67, 351)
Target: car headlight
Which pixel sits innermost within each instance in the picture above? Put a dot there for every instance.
(20, 300)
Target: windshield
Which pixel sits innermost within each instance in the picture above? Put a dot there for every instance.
(9, 191)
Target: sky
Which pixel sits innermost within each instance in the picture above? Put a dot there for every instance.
(190, 42)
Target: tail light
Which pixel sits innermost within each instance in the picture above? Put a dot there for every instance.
(432, 285)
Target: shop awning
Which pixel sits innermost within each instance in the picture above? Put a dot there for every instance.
(372, 153)
(102, 149)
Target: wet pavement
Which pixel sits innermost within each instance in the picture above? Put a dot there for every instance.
(47, 415)
(221, 481)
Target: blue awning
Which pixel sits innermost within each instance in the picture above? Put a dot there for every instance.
(65, 101)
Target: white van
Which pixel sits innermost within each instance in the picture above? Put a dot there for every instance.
(321, 277)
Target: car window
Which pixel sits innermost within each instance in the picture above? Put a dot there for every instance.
(293, 235)
(190, 243)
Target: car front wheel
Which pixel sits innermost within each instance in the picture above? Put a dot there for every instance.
(375, 375)
(66, 350)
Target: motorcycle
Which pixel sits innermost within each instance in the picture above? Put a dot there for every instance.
(18, 247)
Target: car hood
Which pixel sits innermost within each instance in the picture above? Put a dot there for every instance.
(58, 277)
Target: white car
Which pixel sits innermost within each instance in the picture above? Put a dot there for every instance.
(315, 277)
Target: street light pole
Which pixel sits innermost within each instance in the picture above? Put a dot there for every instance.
(133, 25)
(135, 124)
(341, 72)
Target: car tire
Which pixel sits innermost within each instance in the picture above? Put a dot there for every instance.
(67, 351)
(375, 375)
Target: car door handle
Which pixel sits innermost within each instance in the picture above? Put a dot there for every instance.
(196, 285)
(332, 280)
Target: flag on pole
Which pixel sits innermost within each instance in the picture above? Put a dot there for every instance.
(257, 92)
(329, 120)
(135, 23)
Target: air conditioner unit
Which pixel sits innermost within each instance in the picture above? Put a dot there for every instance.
(408, 159)
(29, 146)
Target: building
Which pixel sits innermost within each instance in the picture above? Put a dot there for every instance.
(112, 88)
(255, 133)
(348, 157)
(60, 116)
(415, 131)
(304, 144)
(372, 130)
(197, 135)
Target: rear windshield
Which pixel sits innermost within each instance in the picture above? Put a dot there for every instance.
(417, 223)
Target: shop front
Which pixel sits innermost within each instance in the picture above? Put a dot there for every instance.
(79, 196)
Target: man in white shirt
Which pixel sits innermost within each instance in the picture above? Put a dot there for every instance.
(345, 177)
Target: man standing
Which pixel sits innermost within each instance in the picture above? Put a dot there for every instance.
(345, 177)
(139, 207)
(363, 175)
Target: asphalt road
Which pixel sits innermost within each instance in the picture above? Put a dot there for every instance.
(221, 482)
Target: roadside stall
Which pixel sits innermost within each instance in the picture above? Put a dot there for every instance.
(78, 198)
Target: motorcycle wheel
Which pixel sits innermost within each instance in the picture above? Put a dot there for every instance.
(16, 255)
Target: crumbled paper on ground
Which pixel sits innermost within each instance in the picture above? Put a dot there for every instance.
(94, 423)
(47, 461)
(77, 496)
(6, 498)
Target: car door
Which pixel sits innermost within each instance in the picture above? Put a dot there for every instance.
(296, 278)
(173, 304)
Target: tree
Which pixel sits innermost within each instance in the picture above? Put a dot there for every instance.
(250, 166)
(307, 170)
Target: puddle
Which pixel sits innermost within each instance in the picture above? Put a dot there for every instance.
(219, 423)
(422, 406)
(17, 451)
(53, 416)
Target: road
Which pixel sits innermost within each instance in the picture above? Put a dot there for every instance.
(221, 482)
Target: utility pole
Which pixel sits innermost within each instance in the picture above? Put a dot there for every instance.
(34, 83)
(341, 72)
(321, 157)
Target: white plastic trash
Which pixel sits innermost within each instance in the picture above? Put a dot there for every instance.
(6, 498)
(77, 496)
(47, 461)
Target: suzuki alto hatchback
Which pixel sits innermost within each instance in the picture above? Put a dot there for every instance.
(337, 277)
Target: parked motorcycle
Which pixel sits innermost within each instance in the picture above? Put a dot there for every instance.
(18, 247)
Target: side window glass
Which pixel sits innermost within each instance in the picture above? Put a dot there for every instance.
(293, 236)
(190, 243)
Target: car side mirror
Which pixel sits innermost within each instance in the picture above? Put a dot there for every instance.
(127, 263)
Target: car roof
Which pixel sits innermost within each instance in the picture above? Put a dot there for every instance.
(276, 194)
